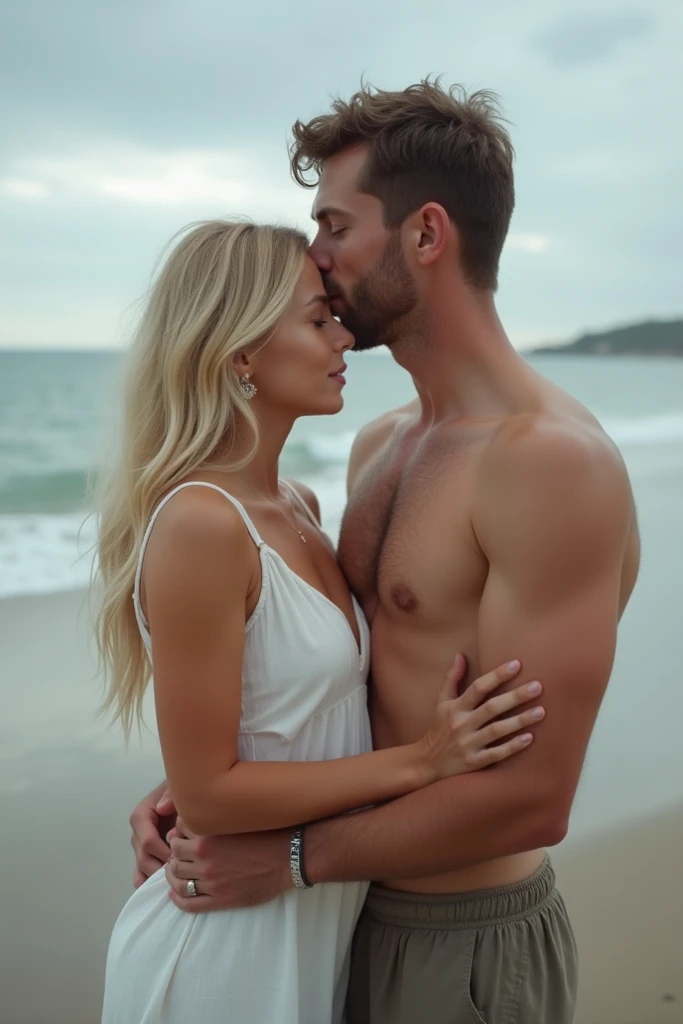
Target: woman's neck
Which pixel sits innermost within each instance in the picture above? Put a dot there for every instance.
(262, 474)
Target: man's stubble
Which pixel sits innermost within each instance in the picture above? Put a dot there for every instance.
(383, 308)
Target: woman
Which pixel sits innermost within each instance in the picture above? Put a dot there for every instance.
(260, 652)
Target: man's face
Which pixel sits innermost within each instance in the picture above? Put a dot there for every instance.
(360, 259)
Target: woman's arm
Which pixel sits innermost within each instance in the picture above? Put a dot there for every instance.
(199, 575)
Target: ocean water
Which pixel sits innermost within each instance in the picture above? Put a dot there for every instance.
(56, 409)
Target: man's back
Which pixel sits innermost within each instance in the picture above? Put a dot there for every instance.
(414, 547)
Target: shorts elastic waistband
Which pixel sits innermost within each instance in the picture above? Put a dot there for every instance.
(462, 910)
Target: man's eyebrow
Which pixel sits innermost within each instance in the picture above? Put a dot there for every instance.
(328, 211)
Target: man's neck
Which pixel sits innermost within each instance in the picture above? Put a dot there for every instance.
(462, 363)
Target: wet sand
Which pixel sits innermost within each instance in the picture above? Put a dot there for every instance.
(624, 894)
(67, 787)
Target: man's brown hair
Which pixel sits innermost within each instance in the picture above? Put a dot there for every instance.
(426, 144)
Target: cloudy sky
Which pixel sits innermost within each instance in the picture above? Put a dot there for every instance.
(122, 121)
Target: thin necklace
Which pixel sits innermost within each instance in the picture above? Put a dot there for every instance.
(286, 518)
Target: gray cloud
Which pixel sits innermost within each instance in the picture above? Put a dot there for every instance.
(155, 72)
(584, 37)
(121, 123)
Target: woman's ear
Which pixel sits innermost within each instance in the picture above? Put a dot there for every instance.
(241, 363)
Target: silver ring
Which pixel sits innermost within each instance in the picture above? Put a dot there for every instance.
(191, 888)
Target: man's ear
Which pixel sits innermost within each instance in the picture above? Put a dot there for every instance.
(434, 227)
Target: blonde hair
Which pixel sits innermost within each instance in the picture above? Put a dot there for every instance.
(223, 288)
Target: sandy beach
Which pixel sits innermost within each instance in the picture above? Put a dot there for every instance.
(623, 890)
(67, 787)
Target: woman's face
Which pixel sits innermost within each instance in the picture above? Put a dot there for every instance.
(300, 369)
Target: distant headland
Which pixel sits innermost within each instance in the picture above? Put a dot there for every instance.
(663, 338)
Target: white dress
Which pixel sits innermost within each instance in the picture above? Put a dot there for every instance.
(286, 962)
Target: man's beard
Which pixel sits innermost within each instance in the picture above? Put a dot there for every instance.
(379, 309)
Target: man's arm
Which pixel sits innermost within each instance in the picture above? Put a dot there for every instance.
(553, 518)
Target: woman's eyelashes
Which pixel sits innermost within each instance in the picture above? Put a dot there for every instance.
(322, 315)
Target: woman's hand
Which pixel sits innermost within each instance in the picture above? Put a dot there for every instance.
(149, 822)
(464, 727)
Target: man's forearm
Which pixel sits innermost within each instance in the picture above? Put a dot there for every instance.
(445, 827)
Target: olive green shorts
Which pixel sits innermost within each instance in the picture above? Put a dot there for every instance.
(498, 956)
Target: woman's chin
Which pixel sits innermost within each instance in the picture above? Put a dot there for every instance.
(329, 407)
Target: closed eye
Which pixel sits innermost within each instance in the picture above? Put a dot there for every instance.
(338, 232)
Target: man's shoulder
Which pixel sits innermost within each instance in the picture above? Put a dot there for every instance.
(379, 430)
(374, 435)
(542, 447)
(553, 475)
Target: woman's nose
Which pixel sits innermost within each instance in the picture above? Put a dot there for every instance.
(346, 339)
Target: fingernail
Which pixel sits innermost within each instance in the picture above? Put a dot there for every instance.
(537, 713)
(512, 666)
(526, 738)
(533, 688)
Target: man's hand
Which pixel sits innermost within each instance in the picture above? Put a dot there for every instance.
(151, 821)
(228, 871)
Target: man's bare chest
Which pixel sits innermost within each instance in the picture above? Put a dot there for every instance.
(407, 540)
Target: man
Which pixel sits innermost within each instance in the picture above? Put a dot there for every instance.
(491, 515)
